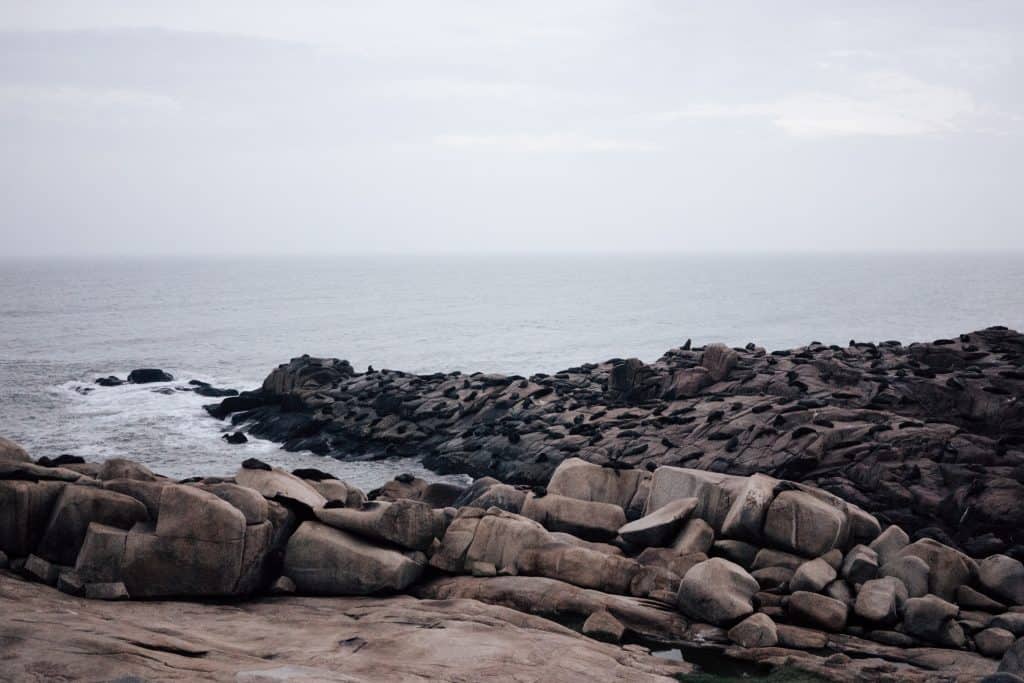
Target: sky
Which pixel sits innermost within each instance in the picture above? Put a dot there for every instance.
(252, 127)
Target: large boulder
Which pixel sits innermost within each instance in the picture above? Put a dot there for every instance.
(801, 522)
(1013, 660)
(889, 543)
(757, 630)
(660, 527)
(495, 537)
(119, 468)
(276, 484)
(818, 610)
(860, 564)
(589, 521)
(254, 507)
(75, 509)
(146, 492)
(912, 571)
(715, 492)
(582, 480)
(719, 360)
(696, 536)
(812, 576)
(12, 452)
(102, 554)
(198, 547)
(579, 566)
(25, 508)
(948, 569)
(1003, 577)
(881, 600)
(407, 523)
(993, 642)
(745, 518)
(718, 592)
(933, 619)
(322, 560)
(686, 383)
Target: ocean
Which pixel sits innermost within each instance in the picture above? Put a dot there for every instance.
(229, 321)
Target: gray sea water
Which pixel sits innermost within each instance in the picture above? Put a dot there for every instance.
(229, 321)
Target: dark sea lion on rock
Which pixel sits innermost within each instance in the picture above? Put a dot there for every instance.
(313, 474)
(254, 464)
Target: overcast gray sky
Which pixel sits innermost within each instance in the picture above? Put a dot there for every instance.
(202, 126)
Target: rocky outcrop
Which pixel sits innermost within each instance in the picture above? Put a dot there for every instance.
(927, 436)
(755, 568)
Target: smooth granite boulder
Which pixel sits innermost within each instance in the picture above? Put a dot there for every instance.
(718, 592)
(102, 553)
(659, 528)
(889, 543)
(812, 576)
(696, 536)
(757, 630)
(146, 492)
(948, 568)
(119, 468)
(579, 479)
(249, 502)
(912, 571)
(322, 560)
(337, 490)
(801, 522)
(580, 567)
(25, 508)
(190, 512)
(1002, 577)
(75, 509)
(12, 452)
(277, 484)
(715, 493)
(719, 360)
(495, 537)
(493, 494)
(818, 610)
(589, 521)
(993, 642)
(200, 546)
(407, 523)
(881, 600)
(603, 626)
(1013, 661)
(933, 619)
(745, 518)
(860, 564)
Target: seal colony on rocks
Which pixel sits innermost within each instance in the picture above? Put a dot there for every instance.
(928, 436)
(582, 580)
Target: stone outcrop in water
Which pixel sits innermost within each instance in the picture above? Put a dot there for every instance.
(785, 574)
(928, 436)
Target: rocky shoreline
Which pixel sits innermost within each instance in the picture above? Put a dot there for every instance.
(585, 578)
(929, 436)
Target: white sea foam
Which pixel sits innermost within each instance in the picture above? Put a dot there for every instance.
(164, 426)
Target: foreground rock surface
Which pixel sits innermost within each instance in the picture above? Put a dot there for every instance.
(301, 639)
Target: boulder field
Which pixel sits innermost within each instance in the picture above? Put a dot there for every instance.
(582, 579)
(926, 436)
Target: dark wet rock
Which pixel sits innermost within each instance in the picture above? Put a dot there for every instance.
(208, 390)
(148, 376)
(235, 438)
(110, 381)
(61, 460)
(856, 421)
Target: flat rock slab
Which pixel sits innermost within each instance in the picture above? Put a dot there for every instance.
(323, 639)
